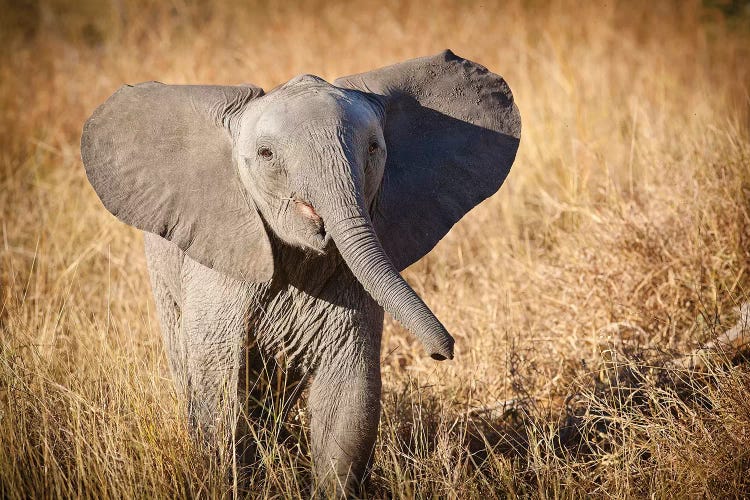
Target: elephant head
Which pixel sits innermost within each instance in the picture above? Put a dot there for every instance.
(381, 163)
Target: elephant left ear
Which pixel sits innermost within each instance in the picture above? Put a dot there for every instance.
(452, 131)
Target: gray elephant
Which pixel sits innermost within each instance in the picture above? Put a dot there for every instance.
(276, 225)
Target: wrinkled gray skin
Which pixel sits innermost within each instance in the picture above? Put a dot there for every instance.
(276, 225)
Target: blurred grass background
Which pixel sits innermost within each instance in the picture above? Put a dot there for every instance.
(620, 240)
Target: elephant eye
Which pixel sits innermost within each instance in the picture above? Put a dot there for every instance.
(265, 153)
(373, 147)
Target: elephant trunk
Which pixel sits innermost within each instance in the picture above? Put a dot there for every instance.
(353, 233)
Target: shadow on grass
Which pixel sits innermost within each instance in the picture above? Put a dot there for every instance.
(636, 415)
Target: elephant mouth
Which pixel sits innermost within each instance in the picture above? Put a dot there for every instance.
(307, 211)
(320, 238)
(321, 241)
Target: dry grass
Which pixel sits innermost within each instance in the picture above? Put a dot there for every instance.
(621, 238)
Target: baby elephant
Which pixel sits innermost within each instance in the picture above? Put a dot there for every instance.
(276, 225)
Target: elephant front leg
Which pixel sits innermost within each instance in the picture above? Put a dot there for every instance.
(345, 406)
(214, 326)
(212, 390)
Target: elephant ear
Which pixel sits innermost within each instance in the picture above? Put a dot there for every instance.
(452, 131)
(161, 159)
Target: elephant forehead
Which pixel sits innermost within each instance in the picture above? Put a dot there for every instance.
(316, 105)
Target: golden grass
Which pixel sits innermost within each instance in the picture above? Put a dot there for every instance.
(621, 238)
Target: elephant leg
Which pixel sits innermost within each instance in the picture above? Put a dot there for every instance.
(168, 313)
(164, 261)
(344, 403)
(214, 324)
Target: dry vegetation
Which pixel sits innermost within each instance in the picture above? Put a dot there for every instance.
(620, 240)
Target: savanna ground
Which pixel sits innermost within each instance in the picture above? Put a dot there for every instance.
(620, 241)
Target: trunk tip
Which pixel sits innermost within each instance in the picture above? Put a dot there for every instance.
(442, 351)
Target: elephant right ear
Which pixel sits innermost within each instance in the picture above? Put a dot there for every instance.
(161, 159)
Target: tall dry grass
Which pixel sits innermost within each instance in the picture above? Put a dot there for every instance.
(620, 239)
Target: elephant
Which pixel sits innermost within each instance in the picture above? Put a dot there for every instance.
(276, 225)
